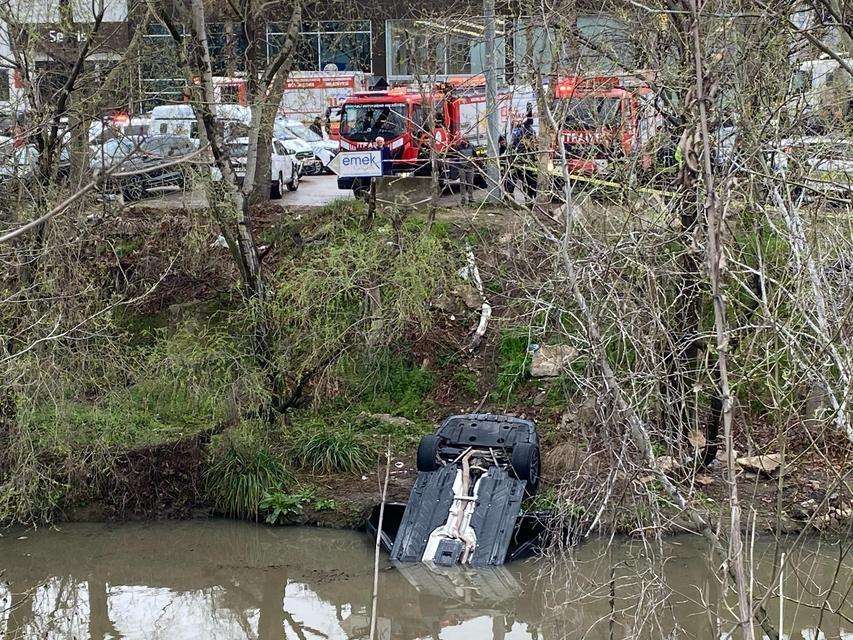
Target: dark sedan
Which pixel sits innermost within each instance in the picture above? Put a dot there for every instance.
(138, 166)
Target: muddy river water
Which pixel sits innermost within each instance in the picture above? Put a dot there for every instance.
(223, 579)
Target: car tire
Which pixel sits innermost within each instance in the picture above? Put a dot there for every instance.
(133, 191)
(293, 185)
(427, 459)
(275, 187)
(527, 466)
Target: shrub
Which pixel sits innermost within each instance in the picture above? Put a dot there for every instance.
(279, 506)
(241, 470)
(326, 504)
(322, 449)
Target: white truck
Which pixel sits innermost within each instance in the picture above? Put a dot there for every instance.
(825, 91)
(315, 93)
(180, 120)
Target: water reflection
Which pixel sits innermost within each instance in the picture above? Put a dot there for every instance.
(230, 580)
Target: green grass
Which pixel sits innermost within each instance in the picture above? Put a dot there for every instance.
(147, 413)
(388, 384)
(512, 364)
(241, 470)
(466, 382)
(331, 447)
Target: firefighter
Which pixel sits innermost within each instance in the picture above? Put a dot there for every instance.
(505, 166)
(464, 160)
(523, 171)
(317, 126)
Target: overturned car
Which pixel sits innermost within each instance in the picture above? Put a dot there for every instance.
(465, 508)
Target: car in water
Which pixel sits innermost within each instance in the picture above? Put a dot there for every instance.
(323, 149)
(285, 164)
(474, 473)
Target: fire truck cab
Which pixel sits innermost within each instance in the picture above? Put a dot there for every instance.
(400, 117)
(605, 122)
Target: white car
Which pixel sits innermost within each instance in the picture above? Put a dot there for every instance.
(17, 163)
(311, 163)
(821, 165)
(285, 166)
(323, 149)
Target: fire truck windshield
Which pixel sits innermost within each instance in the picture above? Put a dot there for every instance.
(365, 122)
(591, 112)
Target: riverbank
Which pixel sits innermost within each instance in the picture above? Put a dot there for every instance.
(162, 413)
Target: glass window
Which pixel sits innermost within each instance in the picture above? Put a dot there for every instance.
(604, 43)
(345, 44)
(454, 47)
(229, 93)
(418, 118)
(307, 53)
(413, 50)
(347, 51)
(365, 122)
(344, 26)
(591, 112)
(217, 45)
(531, 50)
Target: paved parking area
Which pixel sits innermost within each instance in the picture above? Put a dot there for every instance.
(314, 191)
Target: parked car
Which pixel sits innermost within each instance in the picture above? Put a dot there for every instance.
(311, 164)
(285, 165)
(816, 166)
(323, 149)
(112, 152)
(147, 166)
(17, 163)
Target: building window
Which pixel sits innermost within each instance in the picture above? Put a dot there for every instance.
(160, 74)
(440, 48)
(345, 44)
(600, 44)
(605, 44)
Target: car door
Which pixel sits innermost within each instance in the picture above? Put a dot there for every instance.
(281, 161)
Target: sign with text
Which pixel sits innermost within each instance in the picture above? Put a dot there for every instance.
(357, 164)
(320, 83)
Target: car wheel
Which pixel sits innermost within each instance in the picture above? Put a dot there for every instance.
(133, 191)
(275, 187)
(526, 465)
(293, 185)
(428, 453)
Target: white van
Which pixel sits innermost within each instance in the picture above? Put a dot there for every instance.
(180, 120)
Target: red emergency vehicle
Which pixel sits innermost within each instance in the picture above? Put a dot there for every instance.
(607, 121)
(400, 116)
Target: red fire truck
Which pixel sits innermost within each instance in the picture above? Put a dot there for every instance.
(607, 122)
(400, 116)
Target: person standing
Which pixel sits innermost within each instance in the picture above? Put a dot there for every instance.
(317, 126)
(385, 153)
(465, 164)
